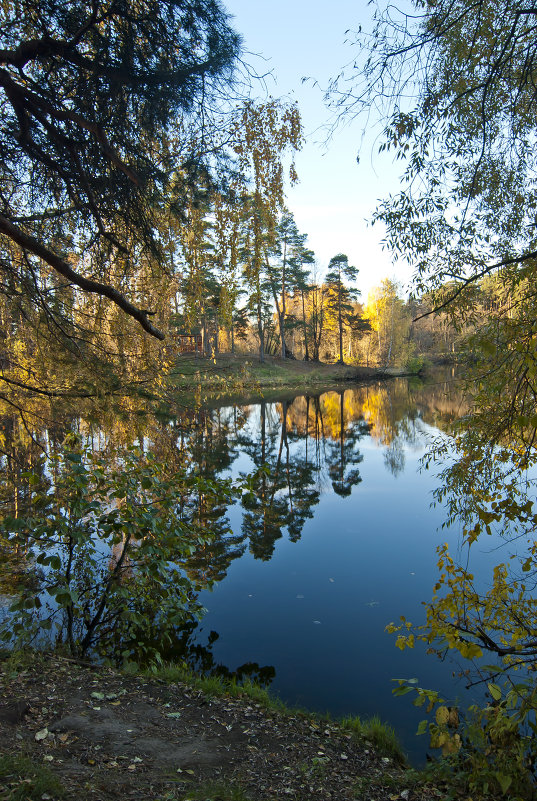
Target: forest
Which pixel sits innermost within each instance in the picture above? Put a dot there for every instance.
(144, 215)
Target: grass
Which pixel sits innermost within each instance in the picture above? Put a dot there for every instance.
(15, 661)
(22, 779)
(381, 735)
(232, 372)
(215, 792)
(206, 791)
(217, 686)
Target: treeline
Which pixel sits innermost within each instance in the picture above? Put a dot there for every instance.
(277, 301)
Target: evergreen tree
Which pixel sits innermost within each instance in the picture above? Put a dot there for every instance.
(100, 100)
(284, 270)
(341, 295)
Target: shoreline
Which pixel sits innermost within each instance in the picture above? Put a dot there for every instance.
(237, 379)
(92, 731)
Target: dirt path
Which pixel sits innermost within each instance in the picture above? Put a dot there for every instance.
(107, 736)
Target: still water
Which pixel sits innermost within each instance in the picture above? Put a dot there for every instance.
(337, 539)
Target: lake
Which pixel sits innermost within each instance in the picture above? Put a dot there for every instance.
(336, 539)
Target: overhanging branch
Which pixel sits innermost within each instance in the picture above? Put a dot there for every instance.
(29, 243)
(476, 277)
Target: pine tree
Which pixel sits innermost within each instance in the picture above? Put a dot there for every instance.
(341, 295)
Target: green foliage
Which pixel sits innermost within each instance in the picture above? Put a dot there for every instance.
(339, 294)
(491, 750)
(453, 85)
(22, 779)
(415, 364)
(95, 103)
(110, 541)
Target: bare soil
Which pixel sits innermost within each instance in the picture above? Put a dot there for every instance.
(107, 736)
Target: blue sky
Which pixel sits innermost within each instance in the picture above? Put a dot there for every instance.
(335, 196)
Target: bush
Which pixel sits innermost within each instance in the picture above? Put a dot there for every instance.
(491, 750)
(110, 539)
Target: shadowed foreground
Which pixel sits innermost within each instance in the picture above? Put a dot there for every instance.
(106, 735)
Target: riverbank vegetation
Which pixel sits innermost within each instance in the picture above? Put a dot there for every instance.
(166, 733)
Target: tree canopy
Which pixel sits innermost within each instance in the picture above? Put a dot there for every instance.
(98, 101)
(454, 83)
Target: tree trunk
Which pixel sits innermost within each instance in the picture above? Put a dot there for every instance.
(389, 356)
(306, 354)
(340, 321)
(216, 339)
(260, 335)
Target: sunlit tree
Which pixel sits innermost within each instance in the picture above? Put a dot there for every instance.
(340, 294)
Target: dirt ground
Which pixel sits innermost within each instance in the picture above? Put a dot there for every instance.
(109, 736)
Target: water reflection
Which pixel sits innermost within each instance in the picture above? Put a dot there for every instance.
(291, 452)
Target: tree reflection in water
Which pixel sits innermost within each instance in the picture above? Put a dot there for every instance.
(289, 452)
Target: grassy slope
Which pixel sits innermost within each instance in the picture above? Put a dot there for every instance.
(234, 376)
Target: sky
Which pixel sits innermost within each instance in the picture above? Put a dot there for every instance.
(336, 196)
